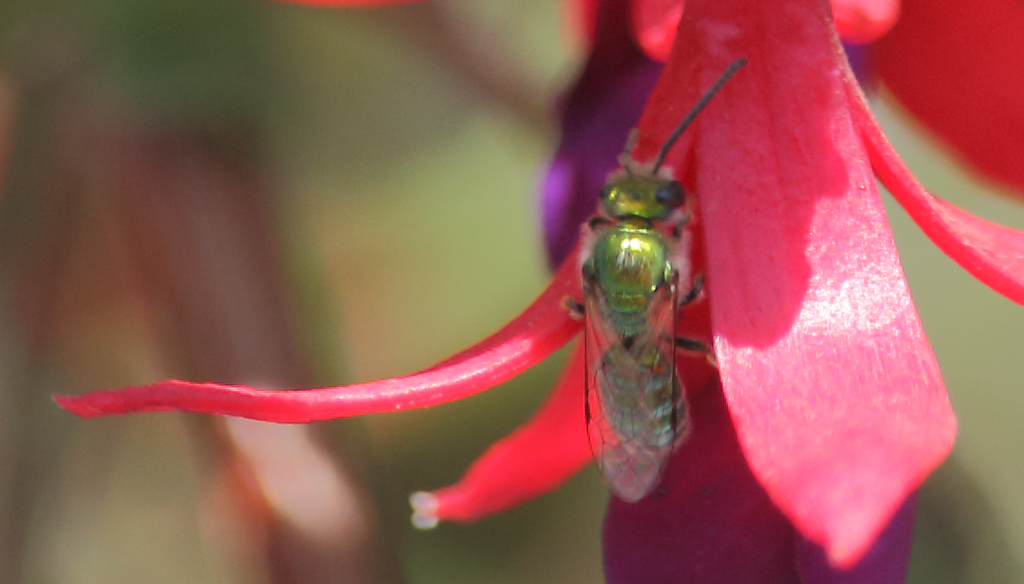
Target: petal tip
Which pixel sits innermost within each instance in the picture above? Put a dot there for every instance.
(864, 538)
(75, 405)
(846, 553)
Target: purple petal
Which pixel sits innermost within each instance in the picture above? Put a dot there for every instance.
(885, 563)
(862, 62)
(709, 522)
(597, 115)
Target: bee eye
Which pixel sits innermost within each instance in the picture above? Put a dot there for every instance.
(670, 194)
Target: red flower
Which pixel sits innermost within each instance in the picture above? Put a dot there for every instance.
(952, 65)
(837, 411)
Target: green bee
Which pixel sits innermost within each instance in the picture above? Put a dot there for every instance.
(635, 258)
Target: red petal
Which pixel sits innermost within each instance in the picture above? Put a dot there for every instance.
(533, 335)
(709, 521)
(864, 21)
(835, 393)
(991, 253)
(955, 66)
(858, 21)
(535, 459)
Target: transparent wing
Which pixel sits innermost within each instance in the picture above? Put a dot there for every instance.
(635, 407)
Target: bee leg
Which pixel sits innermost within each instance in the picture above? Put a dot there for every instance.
(576, 310)
(692, 346)
(695, 292)
(678, 229)
(684, 220)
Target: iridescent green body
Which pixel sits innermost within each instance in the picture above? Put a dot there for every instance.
(635, 409)
(629, 262)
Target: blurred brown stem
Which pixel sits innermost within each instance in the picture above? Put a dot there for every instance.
(481, 61)
(204, 233)
(8, 117)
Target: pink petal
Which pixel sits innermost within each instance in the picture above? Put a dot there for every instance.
(864, 21)
(710, 521)
(535, 459)
(991, 253)
(536, 333)
(955, 66)
(834, 390)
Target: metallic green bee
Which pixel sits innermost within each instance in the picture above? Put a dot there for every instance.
(635, 258)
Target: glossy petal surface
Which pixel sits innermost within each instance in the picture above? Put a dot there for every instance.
(542, 329)
(833, 388)
(956, 67)
(535, 459)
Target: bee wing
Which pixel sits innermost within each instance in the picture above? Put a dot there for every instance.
(634, 405)
(661, 333)
(600, 340)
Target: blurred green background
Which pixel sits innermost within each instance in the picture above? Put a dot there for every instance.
(288, 196)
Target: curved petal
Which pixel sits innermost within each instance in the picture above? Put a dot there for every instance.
(597, 115)
(535, 459)
(956, 67)
(709, 522)
(834, 390)
(991, 253)
(536, 333)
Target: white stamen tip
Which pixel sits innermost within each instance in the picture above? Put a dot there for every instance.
(424, 510)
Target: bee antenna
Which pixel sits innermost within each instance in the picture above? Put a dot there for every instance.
(624, 162)
(696, 110)
(627, 152)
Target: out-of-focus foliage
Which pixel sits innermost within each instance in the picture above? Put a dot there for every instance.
(397, 152)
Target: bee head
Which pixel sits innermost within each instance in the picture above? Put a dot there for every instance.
(642, 196)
